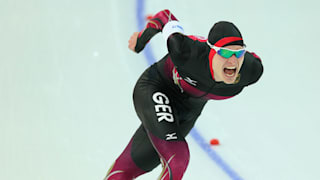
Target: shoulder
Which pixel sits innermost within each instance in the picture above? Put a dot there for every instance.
(185, 47)
(253, 67)
(178, 38)
(197, 38)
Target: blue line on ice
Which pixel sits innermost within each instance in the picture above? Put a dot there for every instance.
(214, 156)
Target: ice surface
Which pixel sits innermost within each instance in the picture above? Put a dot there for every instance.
(66, 81)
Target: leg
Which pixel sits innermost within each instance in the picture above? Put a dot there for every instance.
(161, 122)
(174, 157)
(138, 158)
(171, 146)
(124, 167)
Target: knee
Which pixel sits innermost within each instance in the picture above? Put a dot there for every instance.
(179, 165)
(123, 171)
(176, 165)
(118, 175)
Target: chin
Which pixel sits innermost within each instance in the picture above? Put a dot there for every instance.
(229, 81)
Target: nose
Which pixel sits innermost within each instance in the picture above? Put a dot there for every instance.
(233, 59)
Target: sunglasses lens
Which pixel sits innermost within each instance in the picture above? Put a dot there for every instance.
(240, 53)
(225, 53)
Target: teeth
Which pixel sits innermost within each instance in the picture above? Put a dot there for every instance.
(230, 67)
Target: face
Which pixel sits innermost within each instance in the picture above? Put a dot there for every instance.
(227, 69)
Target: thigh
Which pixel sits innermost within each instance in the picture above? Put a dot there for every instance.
(142, 151)
(188, 109)
(153, 103)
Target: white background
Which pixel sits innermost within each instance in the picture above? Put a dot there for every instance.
(66, 81)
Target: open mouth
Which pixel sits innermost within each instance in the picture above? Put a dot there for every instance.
(230, 71)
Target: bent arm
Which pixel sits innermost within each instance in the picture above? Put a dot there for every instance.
(179, 45)
(154, 25)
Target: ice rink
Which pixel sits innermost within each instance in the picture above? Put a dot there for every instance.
(67, 77)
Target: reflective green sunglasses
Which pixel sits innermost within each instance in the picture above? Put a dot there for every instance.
(227, 53)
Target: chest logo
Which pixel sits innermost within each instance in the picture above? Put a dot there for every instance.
(190, 81)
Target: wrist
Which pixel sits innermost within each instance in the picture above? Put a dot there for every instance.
(170, 28)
